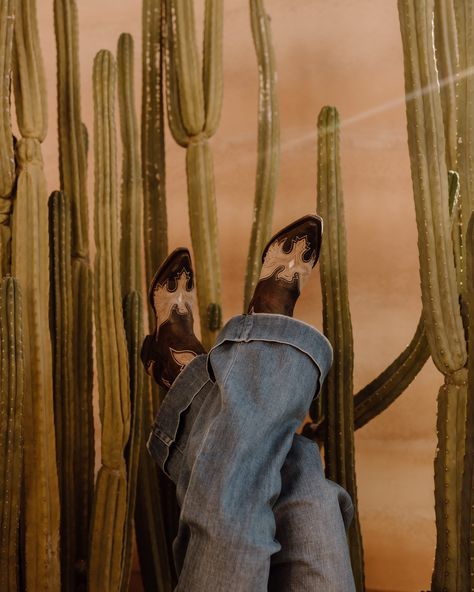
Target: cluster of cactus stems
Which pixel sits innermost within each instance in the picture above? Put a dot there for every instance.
(77, 536)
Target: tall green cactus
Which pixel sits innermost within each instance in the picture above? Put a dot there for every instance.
(62, 323)
(268, 145)
(440, 292)
(7, 161)
(338, 390)
(108, 517)
(73, 176)
(194, 105)
(11, 430)
(30, 264)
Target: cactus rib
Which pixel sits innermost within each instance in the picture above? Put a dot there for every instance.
(268, 145)
(430, 187)
(11, 430)
(7, 162)
(338, 390)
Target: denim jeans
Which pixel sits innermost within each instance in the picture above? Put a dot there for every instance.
(257, 513)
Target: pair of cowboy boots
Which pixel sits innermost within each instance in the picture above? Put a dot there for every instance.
(287, 261)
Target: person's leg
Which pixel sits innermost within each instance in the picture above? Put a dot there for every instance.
(312, 516)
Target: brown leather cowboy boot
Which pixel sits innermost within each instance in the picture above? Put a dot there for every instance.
(287, 261)
(172, 296)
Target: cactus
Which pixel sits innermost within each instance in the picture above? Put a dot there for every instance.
(73, 176)
(30, 262)
(338, 389)
(194, 105)
(134, 331)
(61, 323)
(268, 145)
(467, 491)
(7, 161)
(109, 510)
(11, 430)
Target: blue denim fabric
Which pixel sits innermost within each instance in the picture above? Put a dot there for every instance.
(257, 513)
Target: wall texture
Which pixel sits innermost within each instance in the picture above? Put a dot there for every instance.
(345, 53)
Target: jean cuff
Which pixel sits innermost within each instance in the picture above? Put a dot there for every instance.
(280, 329)
(177, 401)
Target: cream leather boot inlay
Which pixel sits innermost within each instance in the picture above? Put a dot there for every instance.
(290, 264)
(164, 300)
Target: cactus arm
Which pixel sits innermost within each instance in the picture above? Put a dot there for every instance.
(11, 430)
(191, 96)
(430, 187)
(381, 392)
(30, 263)
(338, 393)
(72, 151)
(7, 161)
(28, 75)
(131, 210)
(134, 331)
(106, 549)
(447, 59)
(467, 491)
(175, 121)
(213, 64)
(64, 374)
(153, 140)
(268, 145)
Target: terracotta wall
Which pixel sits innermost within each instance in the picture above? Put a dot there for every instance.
(345, 53)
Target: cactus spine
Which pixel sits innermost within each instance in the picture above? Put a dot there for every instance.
(7, 161)
(11, 430)
(194, 111)
(338, 390)
(30, 264)
(268, 145)
(108, 517)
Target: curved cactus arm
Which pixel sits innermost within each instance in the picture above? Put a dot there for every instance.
(108, 520)
(268, 145)
(392, 382)
(448, 467)
(28, 74)
(212, 74)
(153, 138)
(430, 187)
(61, 324)
(447, 60)
(175, 121)
(188, 69)
(11, 430)
(338, 391)
(467, 491)
(72, 151)
(7, 161)
(131, 247)
(134, 331)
